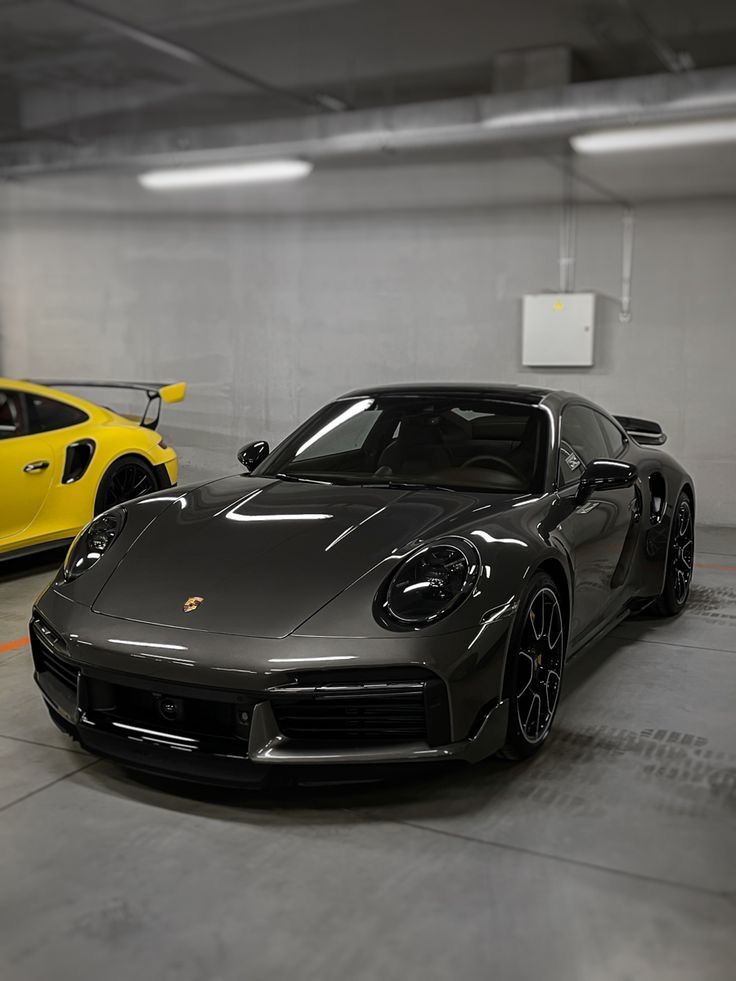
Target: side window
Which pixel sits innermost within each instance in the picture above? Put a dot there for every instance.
(581, 440)
(11, 414)
(46, 415)
(612, 434)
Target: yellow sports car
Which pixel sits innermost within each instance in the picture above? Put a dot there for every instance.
(64, 459)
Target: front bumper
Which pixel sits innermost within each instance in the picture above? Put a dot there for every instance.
(217, 724)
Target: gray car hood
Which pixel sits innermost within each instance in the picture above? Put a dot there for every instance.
(264, 555)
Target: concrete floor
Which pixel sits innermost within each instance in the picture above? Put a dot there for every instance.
(609, 856)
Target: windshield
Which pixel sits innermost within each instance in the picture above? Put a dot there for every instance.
(450, 441)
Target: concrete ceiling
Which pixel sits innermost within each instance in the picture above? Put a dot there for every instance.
(77, 77)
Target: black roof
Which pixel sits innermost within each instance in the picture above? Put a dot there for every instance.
(519, 393)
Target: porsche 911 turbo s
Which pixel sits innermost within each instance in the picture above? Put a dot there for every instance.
(403, 579)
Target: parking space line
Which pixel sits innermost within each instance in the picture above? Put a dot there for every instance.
(550, 856)
(45, 786)
(35, 742)
(712, 565)
(14, 645)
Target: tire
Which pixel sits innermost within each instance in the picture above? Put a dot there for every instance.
(125, 479)
(680, 557)
(541, 659)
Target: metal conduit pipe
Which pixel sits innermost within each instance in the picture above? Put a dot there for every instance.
(520, 118)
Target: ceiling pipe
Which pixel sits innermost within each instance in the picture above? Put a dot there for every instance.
(529, 119)
(192, 57)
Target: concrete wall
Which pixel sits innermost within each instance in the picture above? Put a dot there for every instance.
(267, 318)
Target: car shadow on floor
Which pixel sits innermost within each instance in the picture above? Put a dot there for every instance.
(11, 570)
(446, 789)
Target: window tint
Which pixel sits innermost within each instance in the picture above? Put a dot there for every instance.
(581, 440)
(443, 440)
(48, 414)
(350, 435)
(11, 414)
(612, 434)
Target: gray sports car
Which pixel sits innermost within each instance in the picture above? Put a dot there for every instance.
(403, 579)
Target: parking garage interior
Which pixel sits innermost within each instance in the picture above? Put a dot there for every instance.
(446, 177)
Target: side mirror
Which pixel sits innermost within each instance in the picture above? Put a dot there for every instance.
(605, 475)
(252, 454)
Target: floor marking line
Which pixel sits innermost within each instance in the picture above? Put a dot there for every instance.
(14, 645)
(672, 883)
(669, 643)
(52, 783)
(35, 742)
(713, 565)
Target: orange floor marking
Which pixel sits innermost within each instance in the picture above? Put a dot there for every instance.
(14, 645)
(721, 568)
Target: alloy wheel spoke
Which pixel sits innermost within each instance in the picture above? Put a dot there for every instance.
(535, 702)
(682, 552)
(554, 631)
(540, 652)
(537, 618)
(552, 677)
(530, 659)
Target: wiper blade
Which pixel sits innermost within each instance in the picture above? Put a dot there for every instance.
(294, 479)
(337, 481)
(408, 485)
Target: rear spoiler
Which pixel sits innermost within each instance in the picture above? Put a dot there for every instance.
(156, 392)
(644, 431)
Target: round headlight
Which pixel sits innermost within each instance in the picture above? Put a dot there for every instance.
(92, 542)
(431, 583)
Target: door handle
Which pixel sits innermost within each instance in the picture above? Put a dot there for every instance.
(35, 466)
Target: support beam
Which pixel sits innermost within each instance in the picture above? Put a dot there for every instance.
(531, 120)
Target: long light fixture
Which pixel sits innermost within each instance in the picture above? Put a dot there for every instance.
(222, 175)
(633, 138)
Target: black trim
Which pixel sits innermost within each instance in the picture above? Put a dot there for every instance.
(77, 460)
(162, 476)
(223, 771)
(644, 431)
(19, 553)
(204, 739)
(511, 393)
(152, 390)
(354, 715)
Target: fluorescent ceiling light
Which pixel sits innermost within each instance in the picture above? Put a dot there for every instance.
(221, 175)
(655, 137)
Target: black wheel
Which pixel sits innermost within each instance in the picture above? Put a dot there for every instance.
(126, 478)
(534, 668)
(680, 557)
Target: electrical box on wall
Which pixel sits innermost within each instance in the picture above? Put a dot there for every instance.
(558, 330)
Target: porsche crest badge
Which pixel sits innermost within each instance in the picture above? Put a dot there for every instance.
(193, 603)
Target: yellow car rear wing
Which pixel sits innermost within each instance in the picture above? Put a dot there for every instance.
(156, 392)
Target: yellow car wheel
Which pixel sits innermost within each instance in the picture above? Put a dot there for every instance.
(128, 477)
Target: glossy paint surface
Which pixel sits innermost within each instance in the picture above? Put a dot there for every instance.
(37, 506)
(287, 576)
